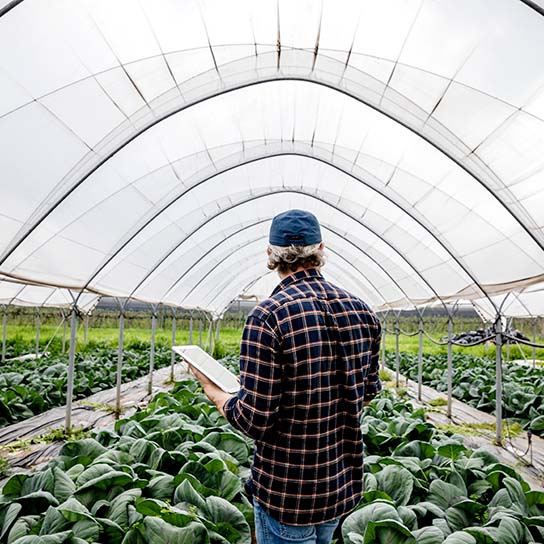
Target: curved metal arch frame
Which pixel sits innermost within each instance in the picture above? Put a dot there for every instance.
(255, 254)
(337, 253)
(261, 221)
(326, 227)
(217, 295)
(246, 287)
(517, 296)
(270, 156)
(298, 191)
(9, 6)
(14, 296)
(264, 157)
(534, 6)
(279, 77)
(220, 288)
(53, 289)
(255, 197)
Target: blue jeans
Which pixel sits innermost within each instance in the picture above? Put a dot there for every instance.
(270, 531)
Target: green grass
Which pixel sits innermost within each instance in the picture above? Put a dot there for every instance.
(513, 430)
(386, 375)
(410, 344)
(4, 467)
(54, 435)
(229, 341)
(440, 401)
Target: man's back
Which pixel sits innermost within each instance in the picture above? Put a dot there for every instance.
(308, 360)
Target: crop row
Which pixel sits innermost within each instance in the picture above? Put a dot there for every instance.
(474, 382)
(174, 473)
(31, 387)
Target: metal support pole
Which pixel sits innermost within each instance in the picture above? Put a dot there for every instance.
(420, 361)
(383, 346)
(200, 332)
(71, 364)
(191, 329)
(85, 329)
(172, 354)
(152, 352)
(38, 323)
(64, 323)
(210, 338)
(450, 367)
(534, 342)
(397, 353)
(119, 376)
(217, 330)
(4, 332)
(508, 331)
(498, 372)
(161, 318)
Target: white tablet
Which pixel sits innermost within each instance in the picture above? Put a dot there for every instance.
(212, 369)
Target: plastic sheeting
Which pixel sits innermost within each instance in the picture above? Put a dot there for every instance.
(528, 301)
(146, 146)
(14, 293)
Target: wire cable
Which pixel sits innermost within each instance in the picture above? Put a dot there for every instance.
(437, 342)
(521, 341)
(408, 333)
(441, 342)
(477, 343)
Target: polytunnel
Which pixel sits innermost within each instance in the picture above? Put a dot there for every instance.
(146, 147)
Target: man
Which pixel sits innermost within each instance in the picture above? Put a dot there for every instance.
(308, 364)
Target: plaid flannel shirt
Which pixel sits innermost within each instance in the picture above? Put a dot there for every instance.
(308, 360)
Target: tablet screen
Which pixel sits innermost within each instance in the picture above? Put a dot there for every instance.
(212, 369)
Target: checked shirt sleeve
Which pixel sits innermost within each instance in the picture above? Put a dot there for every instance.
(254, 410)
(373, 384)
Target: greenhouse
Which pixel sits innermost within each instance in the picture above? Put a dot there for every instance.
(146, 147)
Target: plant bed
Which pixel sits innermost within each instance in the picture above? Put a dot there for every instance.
(30, 387)
(474, 383)
(174, 472)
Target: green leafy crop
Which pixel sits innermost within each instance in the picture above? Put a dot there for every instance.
(474, 383)
(174, 471)
(424, 486)
(31, 387)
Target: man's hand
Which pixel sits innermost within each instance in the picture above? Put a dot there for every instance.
(214, 393)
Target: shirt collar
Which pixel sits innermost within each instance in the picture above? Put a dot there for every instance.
(297, 276)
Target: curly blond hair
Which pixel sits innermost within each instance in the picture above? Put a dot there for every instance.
(288, 259)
